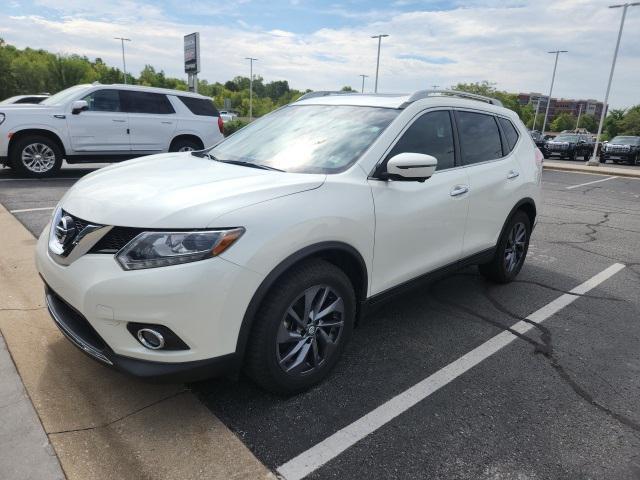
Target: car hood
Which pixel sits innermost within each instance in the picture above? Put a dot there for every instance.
(177, 190)
(27, 108)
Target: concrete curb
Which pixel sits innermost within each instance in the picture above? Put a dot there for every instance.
(603, 170)
(103, 424)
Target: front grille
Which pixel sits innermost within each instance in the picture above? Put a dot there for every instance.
(618, 148)
(75, 327)
(557, 147)
(115, 239)
(79, 223)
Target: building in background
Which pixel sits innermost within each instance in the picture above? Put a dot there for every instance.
(561, 105)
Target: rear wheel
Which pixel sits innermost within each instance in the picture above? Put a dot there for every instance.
(511, 250)
(301, 328)
(36, 156)
(184, 145)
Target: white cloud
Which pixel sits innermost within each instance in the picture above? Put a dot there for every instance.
(504, 45)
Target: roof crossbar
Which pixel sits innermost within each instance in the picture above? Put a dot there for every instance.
(419, 95)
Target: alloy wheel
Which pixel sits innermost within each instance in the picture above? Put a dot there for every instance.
(186, 149)
(38, 157)
(310, 330)
(514, 251)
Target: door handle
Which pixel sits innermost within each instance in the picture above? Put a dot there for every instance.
(118, 120)
(459, 190)
(512, 174)
(167, 123)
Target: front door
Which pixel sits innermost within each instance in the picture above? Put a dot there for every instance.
(104, 127)
(420, 226)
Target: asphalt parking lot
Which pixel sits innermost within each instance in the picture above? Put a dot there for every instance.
(560, 401)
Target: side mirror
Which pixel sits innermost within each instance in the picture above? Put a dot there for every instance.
(410, 166)
(79, 106)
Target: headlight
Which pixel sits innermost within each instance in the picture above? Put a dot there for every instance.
(160, 249)
(1, 118)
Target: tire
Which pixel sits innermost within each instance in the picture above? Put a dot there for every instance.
(184, 145)
(36, 156)
(279, 340)
(501, 269)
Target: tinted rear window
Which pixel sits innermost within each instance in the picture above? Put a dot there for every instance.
(479, 137)
(510, 132)
(146, 102)
(200, 106)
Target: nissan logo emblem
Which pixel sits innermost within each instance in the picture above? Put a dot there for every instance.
(65, 230)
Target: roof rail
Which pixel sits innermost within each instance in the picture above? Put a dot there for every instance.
(322, 93)
(419, 95)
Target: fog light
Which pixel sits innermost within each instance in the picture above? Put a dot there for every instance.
(150, 338)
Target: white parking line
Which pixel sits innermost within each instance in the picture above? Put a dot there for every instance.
(589, 183)
(23, 210)
(312, 459)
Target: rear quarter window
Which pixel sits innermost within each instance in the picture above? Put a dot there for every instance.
(510, 132)
(200, 106)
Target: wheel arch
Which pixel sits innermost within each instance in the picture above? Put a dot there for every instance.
(35, 131)
(343, 255)
(186, 136)
(528, 206)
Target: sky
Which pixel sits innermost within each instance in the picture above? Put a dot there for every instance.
(324, 45)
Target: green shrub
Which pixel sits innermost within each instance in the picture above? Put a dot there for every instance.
(233, 126)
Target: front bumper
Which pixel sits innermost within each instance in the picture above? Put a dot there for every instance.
(621, 156)
(92, 300)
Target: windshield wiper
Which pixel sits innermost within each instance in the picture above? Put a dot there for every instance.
(248, 164)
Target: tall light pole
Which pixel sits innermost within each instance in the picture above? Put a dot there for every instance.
(363, 77)
(592, 161)
(553, 78)
(379, 37)
(579, 115)
(535, 117)
(124, 64)
(251, 60)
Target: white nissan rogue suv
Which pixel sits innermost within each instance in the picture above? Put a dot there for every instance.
(104, 123)
(264, 251)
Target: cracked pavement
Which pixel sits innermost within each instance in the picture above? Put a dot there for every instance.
(563, 401)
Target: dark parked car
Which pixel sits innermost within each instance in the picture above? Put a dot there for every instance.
(623, 149)
(570, 146)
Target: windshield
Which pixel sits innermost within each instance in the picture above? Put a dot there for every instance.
(307, 138)
(566, 138)
(63, 96)
(626, 140)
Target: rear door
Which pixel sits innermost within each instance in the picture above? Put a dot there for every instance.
(152, 120)
(420, 225)
(489, 157)
(101, 128)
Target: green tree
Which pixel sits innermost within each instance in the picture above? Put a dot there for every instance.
(613, 122)
(347, 88)
(563, 121)
(488, 89)
(630, 124)
(589, 122)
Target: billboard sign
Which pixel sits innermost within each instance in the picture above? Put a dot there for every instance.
(192, 53)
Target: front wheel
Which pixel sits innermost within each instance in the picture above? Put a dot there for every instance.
(184, 145)
(511, 250)
(301, 328)
(36, 156)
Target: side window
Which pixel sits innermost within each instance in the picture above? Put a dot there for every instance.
(430, 134)
(200, 106)
(103, 101)
(509, 131)
(479, 137)
(147, 102)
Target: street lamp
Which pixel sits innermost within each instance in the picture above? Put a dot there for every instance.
(553, 78)
(251, 60)
(379, 37)
(592, 161)
(124, 64)
(363, 77)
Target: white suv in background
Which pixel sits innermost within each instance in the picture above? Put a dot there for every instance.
(264, 251)
(104, 123)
